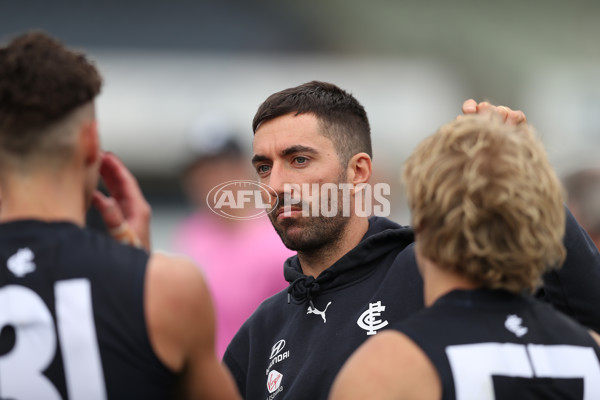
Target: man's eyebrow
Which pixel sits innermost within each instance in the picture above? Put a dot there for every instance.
(285, 152)
(259, 158)
(298, 149)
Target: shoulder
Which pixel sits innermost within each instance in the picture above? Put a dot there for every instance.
(177, 282)
(380, 226)
(178, 308)
(406, 274)
(270, 313)
(406, 257)
(252, 336)
(388, 366)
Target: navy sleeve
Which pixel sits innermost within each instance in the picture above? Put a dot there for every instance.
(238, 368)
(575, 288)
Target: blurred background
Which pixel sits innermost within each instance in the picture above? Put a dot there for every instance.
(169, 64)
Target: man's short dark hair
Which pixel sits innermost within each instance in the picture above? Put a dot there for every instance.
(343, 119)
(41, 82)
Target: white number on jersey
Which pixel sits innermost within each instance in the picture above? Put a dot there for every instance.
(35, 346)
(474, 364)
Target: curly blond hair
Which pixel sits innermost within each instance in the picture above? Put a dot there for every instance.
(486, 204)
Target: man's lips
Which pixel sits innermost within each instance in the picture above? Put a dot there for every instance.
(287, 211)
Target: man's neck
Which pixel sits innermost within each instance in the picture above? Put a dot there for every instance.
(45, 196)
(314, 263)
(438, 281)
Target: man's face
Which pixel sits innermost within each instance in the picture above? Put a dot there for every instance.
(291, 150)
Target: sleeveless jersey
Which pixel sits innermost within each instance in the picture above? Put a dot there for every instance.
(72, 317)
(491, 344)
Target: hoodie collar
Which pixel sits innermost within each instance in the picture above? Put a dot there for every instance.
(382, 236)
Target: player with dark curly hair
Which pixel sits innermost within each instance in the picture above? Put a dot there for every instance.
(82, 316)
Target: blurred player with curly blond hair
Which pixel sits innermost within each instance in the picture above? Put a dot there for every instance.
(487, 209)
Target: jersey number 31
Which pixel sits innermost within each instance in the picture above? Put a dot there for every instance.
(21, 369)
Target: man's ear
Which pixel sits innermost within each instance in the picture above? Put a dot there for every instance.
(359, 169)
(90, 142)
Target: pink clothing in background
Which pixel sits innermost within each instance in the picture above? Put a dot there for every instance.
(243, 263)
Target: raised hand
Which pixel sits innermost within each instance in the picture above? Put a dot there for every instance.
(126, 212)
(511, 117)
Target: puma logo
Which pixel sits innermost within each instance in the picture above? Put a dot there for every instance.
(313, 310)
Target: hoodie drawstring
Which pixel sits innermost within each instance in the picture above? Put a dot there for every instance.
(303, 288)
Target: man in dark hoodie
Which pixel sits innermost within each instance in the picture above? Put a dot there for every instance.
(353, 275)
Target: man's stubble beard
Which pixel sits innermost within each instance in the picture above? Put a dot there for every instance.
(315, 233)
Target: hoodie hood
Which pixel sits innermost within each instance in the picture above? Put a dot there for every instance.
(381, 237)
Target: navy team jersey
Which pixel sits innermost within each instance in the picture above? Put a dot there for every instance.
(492, 344)
(72, 317)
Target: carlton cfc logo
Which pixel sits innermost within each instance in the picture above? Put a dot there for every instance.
(369, 321)
(274, 381)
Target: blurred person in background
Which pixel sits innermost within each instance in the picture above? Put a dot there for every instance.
(82, 316)
(242, 258)
(583, 190)
(487, 209)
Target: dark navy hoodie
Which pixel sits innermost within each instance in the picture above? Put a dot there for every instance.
(295, 343)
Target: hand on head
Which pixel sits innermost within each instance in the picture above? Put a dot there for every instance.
(126, 212)
(511, 117)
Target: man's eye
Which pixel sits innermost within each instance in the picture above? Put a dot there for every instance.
(300, 160)
(261, 169)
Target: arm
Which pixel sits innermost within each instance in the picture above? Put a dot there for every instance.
(181, 326)
(387, 366)
(575, 288)
(237, 369)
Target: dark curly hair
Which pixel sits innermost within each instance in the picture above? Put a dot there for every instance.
(342, 118)
(41, 82)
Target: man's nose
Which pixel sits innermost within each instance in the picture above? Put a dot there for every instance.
(282, 185)
(277, 179)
